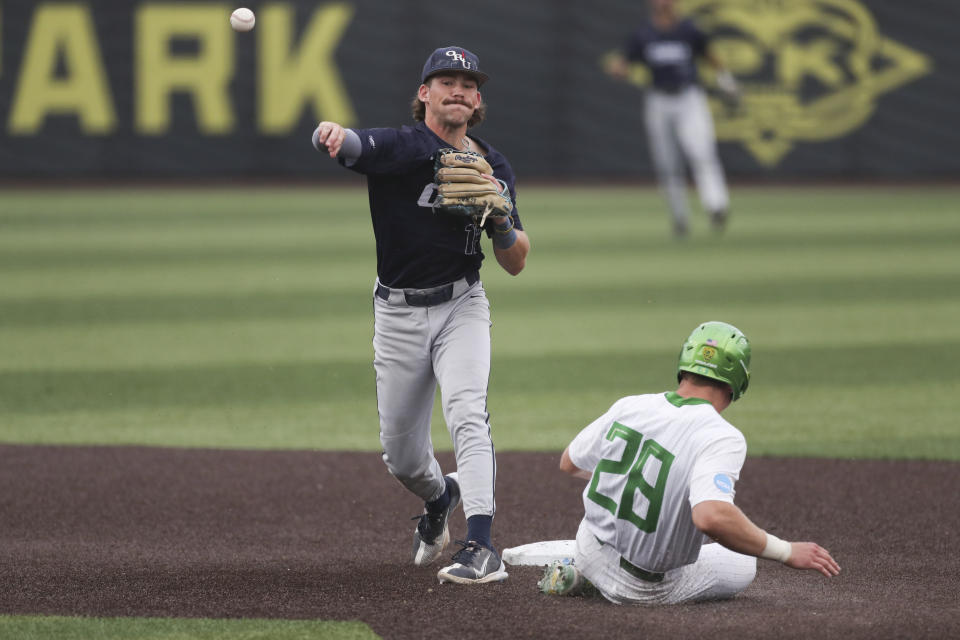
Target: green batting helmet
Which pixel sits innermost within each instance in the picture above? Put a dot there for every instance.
(720, 351)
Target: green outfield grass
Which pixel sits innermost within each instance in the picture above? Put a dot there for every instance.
(215, 318)
(72, 628)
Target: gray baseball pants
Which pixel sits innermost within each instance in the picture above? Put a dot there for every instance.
(415, 349)
(680, 126)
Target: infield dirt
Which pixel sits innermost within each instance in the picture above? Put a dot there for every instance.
(132, 531)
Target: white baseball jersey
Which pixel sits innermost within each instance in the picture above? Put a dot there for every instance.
(653, 458)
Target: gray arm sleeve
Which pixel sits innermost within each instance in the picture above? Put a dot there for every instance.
(349, 150)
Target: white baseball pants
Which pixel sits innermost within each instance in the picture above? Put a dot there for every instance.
(718, 574)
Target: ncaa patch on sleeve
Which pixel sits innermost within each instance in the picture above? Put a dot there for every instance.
(723, 482)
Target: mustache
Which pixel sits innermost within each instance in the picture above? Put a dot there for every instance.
(461, 102)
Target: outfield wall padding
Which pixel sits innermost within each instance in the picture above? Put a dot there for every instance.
(119, 89)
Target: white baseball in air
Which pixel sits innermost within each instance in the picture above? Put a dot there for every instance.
(242, 19)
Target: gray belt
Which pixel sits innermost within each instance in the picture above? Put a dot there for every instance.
(428, 297)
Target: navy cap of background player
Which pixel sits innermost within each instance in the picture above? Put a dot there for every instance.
(453, 59)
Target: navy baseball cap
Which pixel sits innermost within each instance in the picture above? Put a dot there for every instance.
(453, 60)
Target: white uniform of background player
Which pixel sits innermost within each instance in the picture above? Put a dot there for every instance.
(677, 117)
(662, 471)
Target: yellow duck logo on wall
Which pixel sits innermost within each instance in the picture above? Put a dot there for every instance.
(809, 70)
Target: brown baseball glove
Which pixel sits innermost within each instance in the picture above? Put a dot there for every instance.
(466, 187)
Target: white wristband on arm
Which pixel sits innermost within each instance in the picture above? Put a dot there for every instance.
(776, 549)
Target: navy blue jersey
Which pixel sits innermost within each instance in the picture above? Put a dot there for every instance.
(670, 55)
(417, 248)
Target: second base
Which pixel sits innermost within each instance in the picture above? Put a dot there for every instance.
(540, 553)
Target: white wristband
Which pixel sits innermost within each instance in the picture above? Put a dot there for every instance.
(776, 549)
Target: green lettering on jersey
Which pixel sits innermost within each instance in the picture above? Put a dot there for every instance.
(652, 492)
(632, 465)
(618, 467)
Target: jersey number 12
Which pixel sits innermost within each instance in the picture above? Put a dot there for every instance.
(631, 464)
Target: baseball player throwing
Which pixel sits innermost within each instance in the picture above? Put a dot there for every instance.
(677, 117)
(433, 191)
(662, 469)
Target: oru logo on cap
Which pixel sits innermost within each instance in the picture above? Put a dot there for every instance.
(461, 58)
(453, 59)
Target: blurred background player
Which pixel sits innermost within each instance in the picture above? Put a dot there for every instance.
(431, 315)
(677, 117)
(662, 469)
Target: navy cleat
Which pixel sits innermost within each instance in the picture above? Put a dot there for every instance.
(718, 219)
(474, 564)
(680, 229)
(432, 534)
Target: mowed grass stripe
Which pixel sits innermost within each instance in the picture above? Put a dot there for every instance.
(269, 235)
(132, 257)
(99, 216)
(318, 240)
(160, 345)
(876, 421)
(529, 332)
(337, 424)
(83, 628)
(241, 277)
(253, 384)
(319, 302)
(163, 207)
(680, 266)
(99, 309)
